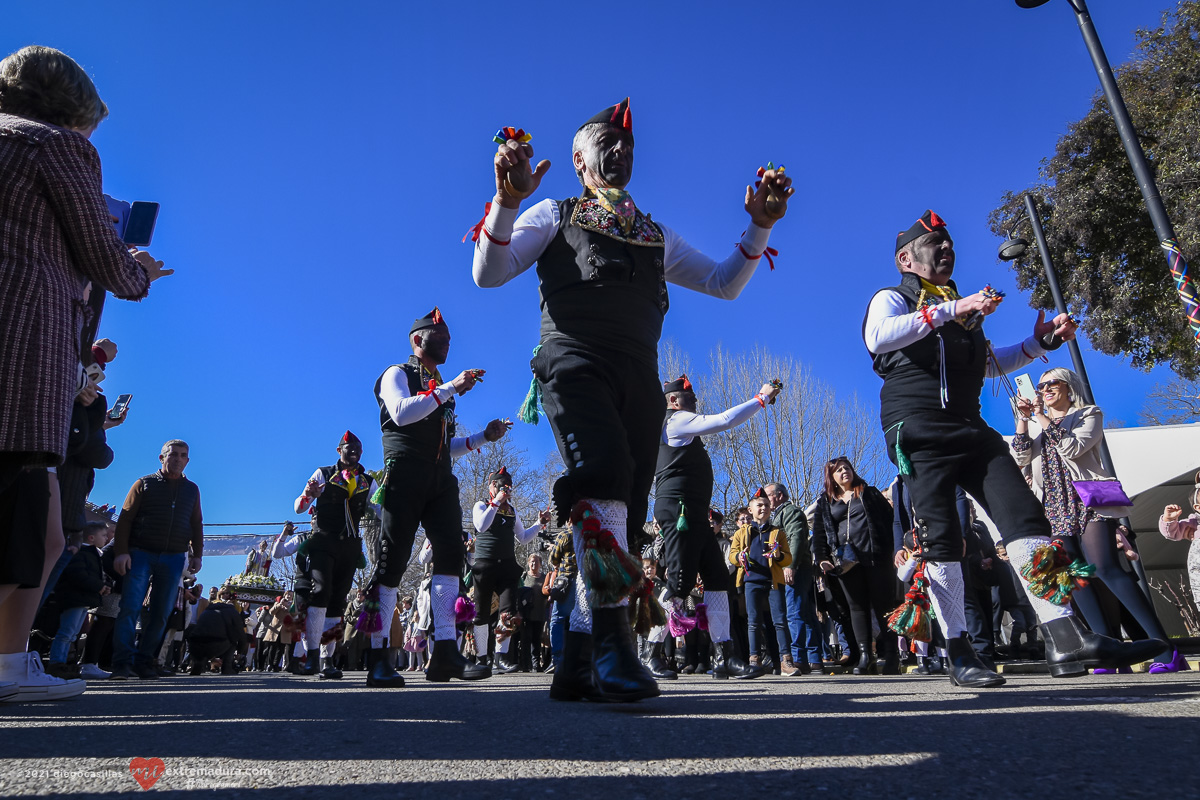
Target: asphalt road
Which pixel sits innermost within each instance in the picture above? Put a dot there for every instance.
(895, 737)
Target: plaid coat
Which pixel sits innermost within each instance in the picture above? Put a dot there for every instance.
(55, 236)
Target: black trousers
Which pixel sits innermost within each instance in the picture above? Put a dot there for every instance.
(419, 494)
(948, 451)
(693, 552)
(494, 577)
(332, 561)
(606, 410)
(870, 590)
(977, 606)
(205, 650)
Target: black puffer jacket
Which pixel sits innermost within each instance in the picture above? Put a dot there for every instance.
(81, 581)
(873, 546)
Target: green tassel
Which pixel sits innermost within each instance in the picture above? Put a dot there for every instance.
(303, 549)
(531, 408)
(903, 465)
(377, 495)
(681, 523)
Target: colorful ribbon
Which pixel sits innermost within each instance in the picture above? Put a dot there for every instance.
(505, 134)
(479, 227)
(1184, 284)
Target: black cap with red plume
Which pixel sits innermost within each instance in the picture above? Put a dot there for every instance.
(928, 223)
(430, 320)
(680, 384)
(619, 116)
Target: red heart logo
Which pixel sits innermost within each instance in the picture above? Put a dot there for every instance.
(147, 771)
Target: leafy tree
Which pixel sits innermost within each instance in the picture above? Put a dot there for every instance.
(1110, 265)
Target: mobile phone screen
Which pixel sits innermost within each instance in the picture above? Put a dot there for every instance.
(119, 407)
(139, 230)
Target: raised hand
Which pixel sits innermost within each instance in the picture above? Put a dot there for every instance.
(495, 430)
(154, 268)
(768, 202)
(1062, 326)
(466, 380)
(1172, 512)
(982, 302)
(515, 178)
(769, 391)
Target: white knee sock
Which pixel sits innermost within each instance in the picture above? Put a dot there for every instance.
(443, 594)
(298, 648)
(502, 646)
(330, 647)
(387, 608)
(718, 616)
(481, 640)
(612, 516)
(314, 626)
(1020, 552)
(923, 649)
(657, 634)
(947, 596)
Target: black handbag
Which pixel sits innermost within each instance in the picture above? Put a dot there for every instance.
(559, 588)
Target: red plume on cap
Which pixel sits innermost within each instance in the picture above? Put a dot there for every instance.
(437, 316)
(687, 384)
(625, 120)
(350, 438)
(758, 493)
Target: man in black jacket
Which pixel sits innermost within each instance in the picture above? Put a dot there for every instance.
(219, 632)
(160, 524)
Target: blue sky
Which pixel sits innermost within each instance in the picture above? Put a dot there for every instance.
(318, 164)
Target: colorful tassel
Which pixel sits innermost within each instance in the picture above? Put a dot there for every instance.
(532, 407)
(912, 619)
(370, 620)
(645, 611)
(303, 549)
(609, 572)
(517, 134)
(1053, 575)
(702, 616)
(903, 465)
(464, 610)
(681, 523)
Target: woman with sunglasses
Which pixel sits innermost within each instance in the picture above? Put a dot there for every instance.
(1066, 450)
(852, 543)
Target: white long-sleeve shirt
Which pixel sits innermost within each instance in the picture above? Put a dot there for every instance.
(404, 409)
(282, 548)
(684, 426)
(530, 234)
(485, 513)
(891, 326)
(318, 477)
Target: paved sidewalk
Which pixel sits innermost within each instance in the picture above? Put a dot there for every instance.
(827, 737)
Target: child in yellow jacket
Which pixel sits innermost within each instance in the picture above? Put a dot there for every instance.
(760, 551)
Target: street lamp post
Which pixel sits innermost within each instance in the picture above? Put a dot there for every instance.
(1137, 159)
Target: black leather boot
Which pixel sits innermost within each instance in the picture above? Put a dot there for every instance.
(727, 665)
(619, 676)
(503, 666)
(328, 671)
(573, 676)
(965, 667)
(922, 666)
(658, 666)
(1072, 649)
(379, 672)
(445, 662)
(866, 663)
(310, 663)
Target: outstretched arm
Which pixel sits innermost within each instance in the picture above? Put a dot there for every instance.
(483, 515)
(685, 424)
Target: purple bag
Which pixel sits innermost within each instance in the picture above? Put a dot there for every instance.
(1102, 494)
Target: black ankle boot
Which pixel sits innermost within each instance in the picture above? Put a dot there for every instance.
(727, 665)
(445, 662)
(1072, 649)
(658, 666)
(573, 675)
(865, 663)
(965, 667)
(329, 672)
(379, 672)
(503, 666)
(619, 676)
(922, 666)
(310, 663)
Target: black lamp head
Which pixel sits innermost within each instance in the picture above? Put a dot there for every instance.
(1031, 3)
(1013, 248)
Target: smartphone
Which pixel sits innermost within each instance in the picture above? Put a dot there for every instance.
(139, 229)
(119, 407)
(1025, 387)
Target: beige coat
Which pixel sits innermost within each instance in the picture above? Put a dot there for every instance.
(1080, 453)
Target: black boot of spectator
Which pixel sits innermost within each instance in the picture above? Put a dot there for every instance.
(619, 675)
(379, 672)
(965, 667)
(503, 665)
(446, 662)
(922, 666)
(328, 671)
(726, 664)
(658, 665)
(311, 659)
(573, 676)
(1071, 648)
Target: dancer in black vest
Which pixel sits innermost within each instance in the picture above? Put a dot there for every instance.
(928, 346)
(683, 485)
(416, 413)
(603, 267)
(495, 570)
(334, 550)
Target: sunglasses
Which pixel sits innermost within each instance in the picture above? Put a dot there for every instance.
(1041, 387)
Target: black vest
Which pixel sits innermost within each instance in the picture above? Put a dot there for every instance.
(683, 472)
(427, 439)
(498, 541)
(912, 374)
(163, 523)
(600, 287)
(330, 518)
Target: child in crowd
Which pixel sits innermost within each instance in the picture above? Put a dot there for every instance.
(760, 551)
(1171, 526)
(82, 585)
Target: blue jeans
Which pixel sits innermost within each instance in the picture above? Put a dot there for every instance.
(802, 621)
(754, 610)
(69, 624)
(560, 615)
(158, 574)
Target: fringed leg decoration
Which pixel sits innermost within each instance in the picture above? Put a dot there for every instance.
(911, 619)
(1051, 574)
(369, 619)
(329, 642)
(647, 613)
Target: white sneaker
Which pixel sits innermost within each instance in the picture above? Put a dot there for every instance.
(33, 684)
(92, 672)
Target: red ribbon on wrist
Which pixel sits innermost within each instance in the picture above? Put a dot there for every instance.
(431, 392)
(479, 227)
(770, 251)
(928, 317)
